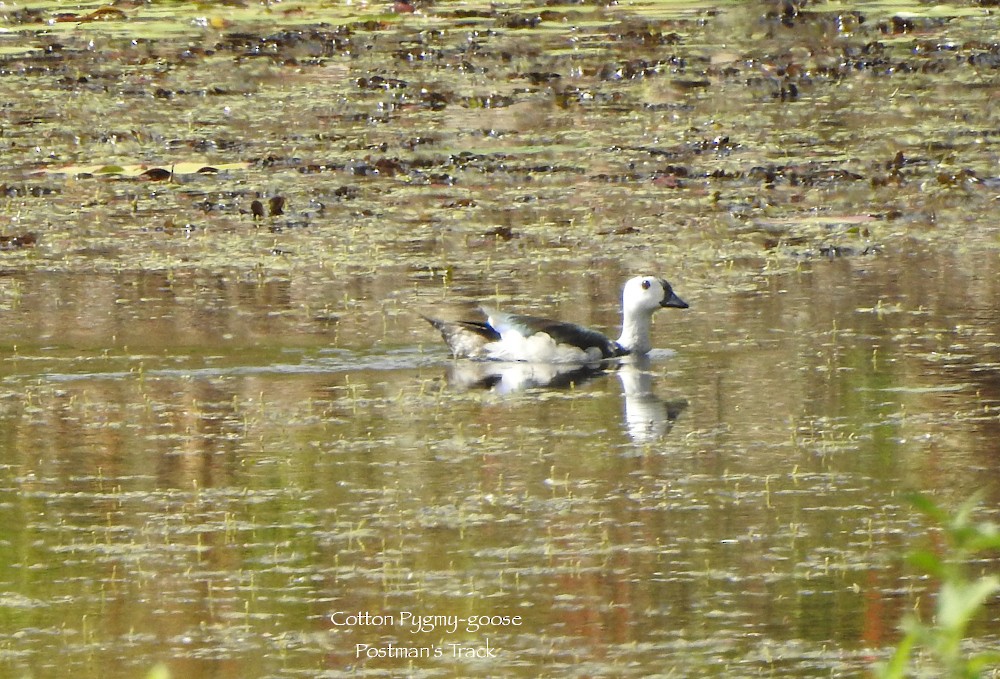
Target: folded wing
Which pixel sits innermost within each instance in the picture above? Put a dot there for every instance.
(552, 340)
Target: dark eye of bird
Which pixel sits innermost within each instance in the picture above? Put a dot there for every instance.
(645, 285)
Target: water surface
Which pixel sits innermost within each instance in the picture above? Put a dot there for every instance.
(229, 443)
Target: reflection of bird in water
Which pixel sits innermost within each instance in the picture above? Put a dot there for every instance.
(513, 337)
(647, 416)
(510, 376)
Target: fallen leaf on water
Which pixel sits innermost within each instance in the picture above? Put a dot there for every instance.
(156, 174)
(99, 14)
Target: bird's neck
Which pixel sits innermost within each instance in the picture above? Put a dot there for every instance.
(635, 332)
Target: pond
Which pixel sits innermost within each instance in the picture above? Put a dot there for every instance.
(231, 447)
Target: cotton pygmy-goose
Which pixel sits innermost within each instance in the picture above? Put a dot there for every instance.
(512, 337)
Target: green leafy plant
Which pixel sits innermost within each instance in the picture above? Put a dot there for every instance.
(158, 671)
(959, 598)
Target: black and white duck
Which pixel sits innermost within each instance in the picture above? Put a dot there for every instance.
(514, 337)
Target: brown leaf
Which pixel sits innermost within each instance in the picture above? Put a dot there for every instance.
(156, 174)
